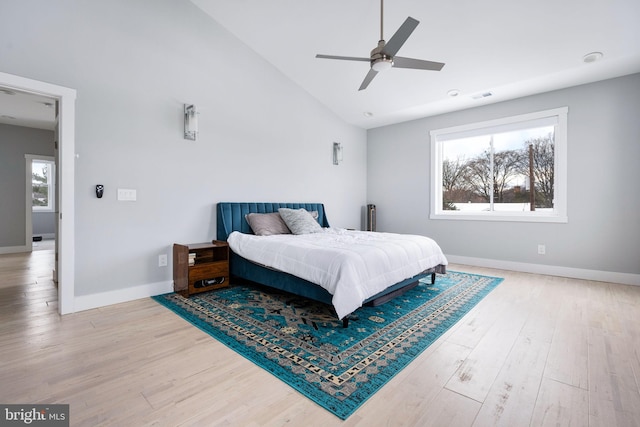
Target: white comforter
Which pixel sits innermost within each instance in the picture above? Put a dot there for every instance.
(351, 265)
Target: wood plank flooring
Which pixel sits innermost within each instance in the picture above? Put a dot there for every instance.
(537, 351)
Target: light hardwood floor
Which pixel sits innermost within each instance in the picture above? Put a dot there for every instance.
(537, 351)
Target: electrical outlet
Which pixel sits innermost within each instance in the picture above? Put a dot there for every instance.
(542, 249)
(162, 260)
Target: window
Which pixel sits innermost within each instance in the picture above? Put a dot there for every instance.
(42, 189)
(511, 169)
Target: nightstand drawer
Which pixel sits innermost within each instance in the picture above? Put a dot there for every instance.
(208, 271)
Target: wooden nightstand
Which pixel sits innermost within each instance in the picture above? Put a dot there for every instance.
(200, 267)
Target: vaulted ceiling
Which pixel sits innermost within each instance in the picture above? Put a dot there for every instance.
(494, 50)
(503, 47)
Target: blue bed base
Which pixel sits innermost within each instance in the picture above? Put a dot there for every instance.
(231, 217)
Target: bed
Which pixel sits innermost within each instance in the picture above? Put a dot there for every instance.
(232, 217)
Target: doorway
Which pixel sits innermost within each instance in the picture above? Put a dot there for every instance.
(65, 135)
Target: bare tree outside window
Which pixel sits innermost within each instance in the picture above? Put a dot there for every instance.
(41, 185)
(454, 182)
(498, 177)
(543, 149)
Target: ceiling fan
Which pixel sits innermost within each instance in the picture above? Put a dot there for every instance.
(384, 56)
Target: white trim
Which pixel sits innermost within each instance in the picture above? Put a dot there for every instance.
(550, 270)
(66, 185)
(501, 216)
(561, 166)
(437, 136)
(538, 118)
(47, 236)
(87, 302)
(28, 203)
(14, 249)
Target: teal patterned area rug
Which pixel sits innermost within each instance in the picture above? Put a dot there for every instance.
(304, 344)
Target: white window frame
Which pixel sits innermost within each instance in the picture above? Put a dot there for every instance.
(52, 185)
(557, 117)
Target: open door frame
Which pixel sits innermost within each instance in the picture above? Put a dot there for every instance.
(65, 186)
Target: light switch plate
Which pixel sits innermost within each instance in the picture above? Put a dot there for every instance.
(126, 195)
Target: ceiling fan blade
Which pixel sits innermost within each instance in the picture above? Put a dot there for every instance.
(418, 64)
(397, 40)
(367, 79)
(344, 58)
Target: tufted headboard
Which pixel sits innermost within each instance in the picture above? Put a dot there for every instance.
(230, 215)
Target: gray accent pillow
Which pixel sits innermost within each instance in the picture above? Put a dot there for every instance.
(299, 221)
(267, 224)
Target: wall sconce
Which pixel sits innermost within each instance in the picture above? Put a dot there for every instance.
(337, 153)
(190, 122)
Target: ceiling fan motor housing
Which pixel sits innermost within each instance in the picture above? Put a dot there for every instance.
(379, 60)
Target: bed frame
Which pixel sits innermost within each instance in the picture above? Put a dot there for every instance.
(231, 217)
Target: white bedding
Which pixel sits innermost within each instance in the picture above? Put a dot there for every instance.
(351, 265)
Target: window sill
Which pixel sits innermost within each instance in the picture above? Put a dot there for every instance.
(501, 217)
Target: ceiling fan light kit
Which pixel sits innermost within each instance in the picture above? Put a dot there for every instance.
(382, 64)
(383, 56)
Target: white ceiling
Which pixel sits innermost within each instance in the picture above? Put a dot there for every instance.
(509, 48)
(26, 109)
(505, 47)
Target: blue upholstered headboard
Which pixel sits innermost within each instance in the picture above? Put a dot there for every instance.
(230, 215)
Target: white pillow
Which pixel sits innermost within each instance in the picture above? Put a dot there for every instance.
(299, 221)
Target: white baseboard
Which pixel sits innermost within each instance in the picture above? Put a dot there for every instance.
(46, 236)
(102, 299)
(14, 249)
(551, 270)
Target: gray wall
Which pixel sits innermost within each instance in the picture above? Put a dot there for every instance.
(15, 142)
(134, 64)
(43, 224)
(603, 232)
